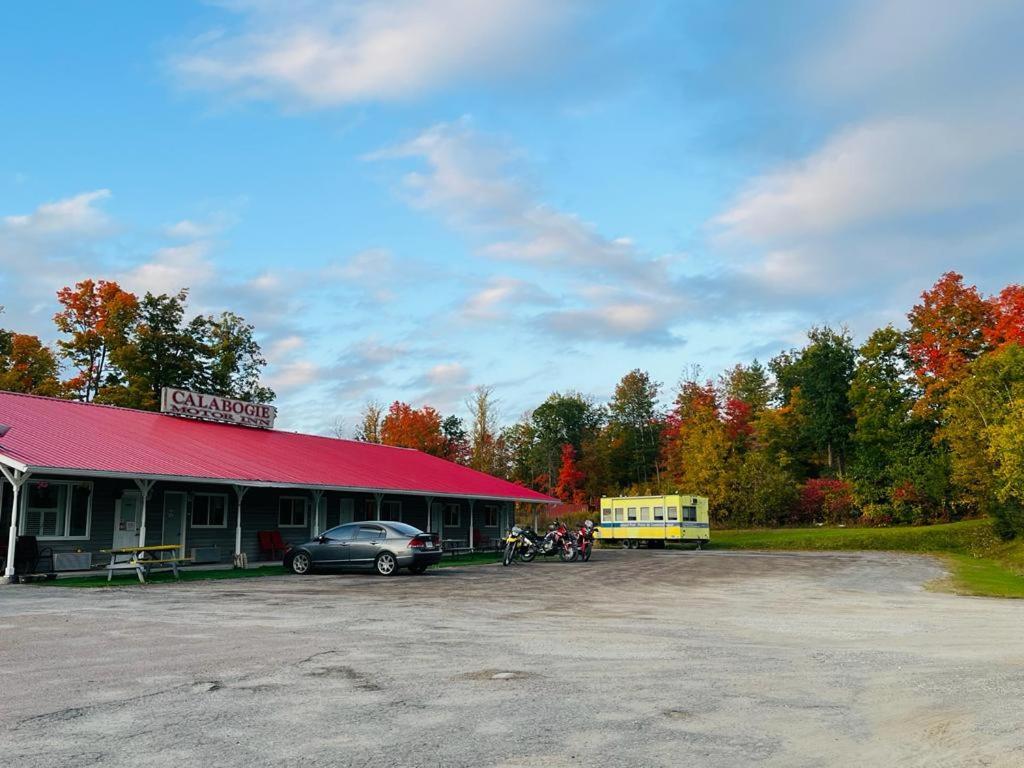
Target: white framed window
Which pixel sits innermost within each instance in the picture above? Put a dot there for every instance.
(673, 514)
(690, 514)
(659, 513)
(291, 512)
(490, 516)
(630, 513)
(391, 510)
(606, 515)
(618, 515)
(56, 510)
(452, 516)
(210, 510)
(645, 513)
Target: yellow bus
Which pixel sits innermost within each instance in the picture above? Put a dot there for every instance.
(654, 520)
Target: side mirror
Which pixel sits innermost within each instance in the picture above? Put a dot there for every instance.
(321, 539)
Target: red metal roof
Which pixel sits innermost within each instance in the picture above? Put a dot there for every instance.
(62, 435)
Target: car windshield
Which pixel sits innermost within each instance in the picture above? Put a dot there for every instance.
(403, 529)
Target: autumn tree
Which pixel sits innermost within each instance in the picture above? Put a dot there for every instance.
(948, 331)
(370, 420)
(28, 366)
(408, 427)
(562, 418)
(696, 448)
(569, 486)
(98, 317)
(1007, 325)
(748, 384)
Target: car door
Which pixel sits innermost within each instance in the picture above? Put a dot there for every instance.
(334, 546)
(366, 545)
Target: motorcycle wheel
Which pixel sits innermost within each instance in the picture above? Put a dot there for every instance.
(585, 553)
(568, 554)
(527, 555)
(507, 559)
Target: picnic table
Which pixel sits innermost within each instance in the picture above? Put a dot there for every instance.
(456, 546)
(142, 560)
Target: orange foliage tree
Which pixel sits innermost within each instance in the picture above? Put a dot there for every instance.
(408, 427)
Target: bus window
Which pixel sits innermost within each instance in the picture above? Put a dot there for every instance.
(618, 515)
(672, 513)
(606, 515)
(631, 513)
(645, 513)
(659, 513)
(690, 514)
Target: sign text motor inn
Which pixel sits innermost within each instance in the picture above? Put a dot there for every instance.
(82, 477)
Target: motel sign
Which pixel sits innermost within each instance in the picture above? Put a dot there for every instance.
(181, 402)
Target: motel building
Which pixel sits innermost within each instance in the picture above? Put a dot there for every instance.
(211, 476)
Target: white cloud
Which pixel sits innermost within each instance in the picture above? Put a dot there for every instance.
(171, 269)
(472, 182)
(501, 296)
(320, 52)
(76, 215)
(292, 376)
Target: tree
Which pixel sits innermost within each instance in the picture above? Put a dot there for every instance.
(162, 351)
(99, 317)
(485, 444)
(748, 384)
(696, 449)
(634, 420)
(407, 427)
(456, 441)
(761, 491)
(233, 360)
(569, 487)
(1008, 317)
(28, 366)
(947, 332)
(569, 418)
(981, 416)
(370, 422)
(822, 372)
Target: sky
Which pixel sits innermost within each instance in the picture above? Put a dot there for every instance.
(413, 198)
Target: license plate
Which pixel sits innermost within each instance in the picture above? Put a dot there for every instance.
(428, 545)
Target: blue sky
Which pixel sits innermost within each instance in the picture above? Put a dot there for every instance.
(410, 199)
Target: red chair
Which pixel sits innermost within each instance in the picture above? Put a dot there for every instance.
(270, 544)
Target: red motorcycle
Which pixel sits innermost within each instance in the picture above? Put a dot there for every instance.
(558, 541)
(585, 539)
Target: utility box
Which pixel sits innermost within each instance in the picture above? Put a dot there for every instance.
(205, 554)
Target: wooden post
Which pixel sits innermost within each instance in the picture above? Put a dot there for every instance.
(144, 486)
(16, 479)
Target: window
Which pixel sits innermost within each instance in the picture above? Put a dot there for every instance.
(606, 515)
(291, 512)
(210, 510)
(618, 515)
(369, 533)
(452, 518)
(672, 513)
(690, 514)
(391, 510)
(405, 530)
(342, 533)
(659, 513)
(631, 513)
(490, 516)
(57, 510)
(645, 513)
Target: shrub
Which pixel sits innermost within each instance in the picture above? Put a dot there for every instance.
(876, 515)
(827, 500)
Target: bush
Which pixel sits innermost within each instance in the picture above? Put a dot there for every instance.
(827, 500)
(876, 515)
(1008, 519)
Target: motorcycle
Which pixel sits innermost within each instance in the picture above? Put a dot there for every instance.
(516, 544)
(558, 541)
(585, 539)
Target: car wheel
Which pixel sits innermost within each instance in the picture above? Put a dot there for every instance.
(419, 570)
(300, 563)
(386, 564)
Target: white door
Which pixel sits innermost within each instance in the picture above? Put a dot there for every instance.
(127, 510)
(174, 520)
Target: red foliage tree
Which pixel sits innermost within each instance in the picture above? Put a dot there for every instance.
(408, 427)
(1008, 317)
(948, 330)
(738, 417)
(826, 499)
(569, 487)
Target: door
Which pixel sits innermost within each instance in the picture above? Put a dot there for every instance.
(366, 546)
(334, 546)
(174, 520)
(127, 511)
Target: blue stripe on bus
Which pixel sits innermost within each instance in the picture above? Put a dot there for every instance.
(657, 524)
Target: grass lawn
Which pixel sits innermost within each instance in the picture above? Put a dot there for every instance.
(980, 562)
(165, 577)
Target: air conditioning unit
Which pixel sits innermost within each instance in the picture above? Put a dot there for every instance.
(205, 554)
(72, 561)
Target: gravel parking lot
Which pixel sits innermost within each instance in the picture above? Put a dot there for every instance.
(636, 658)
